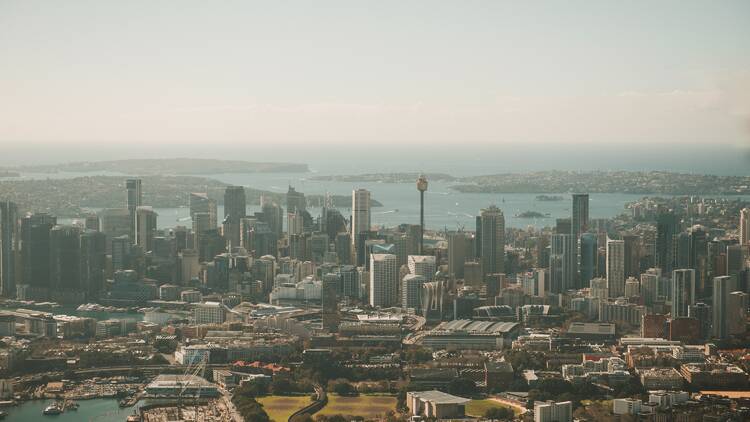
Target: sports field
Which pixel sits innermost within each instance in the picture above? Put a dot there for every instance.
(279, 408)
(367, 406)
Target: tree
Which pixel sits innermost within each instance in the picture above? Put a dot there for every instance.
(462, 387)
(499, 413)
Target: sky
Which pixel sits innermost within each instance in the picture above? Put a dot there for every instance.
(279, 79)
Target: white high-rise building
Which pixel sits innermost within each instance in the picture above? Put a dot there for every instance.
(615, 267)
(383, 280)
(745, 226)
(423, 265)
(683, 292)
(553, 412)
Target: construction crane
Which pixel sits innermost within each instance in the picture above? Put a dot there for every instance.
(194, 369)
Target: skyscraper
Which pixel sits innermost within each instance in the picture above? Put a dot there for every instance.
(273, 214)
(615, 267)
(360, 221)
(632, 257)
(330, 302)
(683, 292)
(35, 254)
(201, 203)
(667, 225)
(235, 208)
(580, 220)
(134, 200)
(493, 240)
(421, 187)
(8, 248)
(456, 254)
(723, 286)
(383, 280)
(411, 292)
(65, 264)
(588, 258)
(422, 265)
(93, 262)
(737, 313)
(145, 223)
(745, 226)
(561, 268)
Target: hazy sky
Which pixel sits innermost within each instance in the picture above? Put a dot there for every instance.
(205, 74)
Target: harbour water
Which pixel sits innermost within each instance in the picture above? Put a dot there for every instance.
(95, 410)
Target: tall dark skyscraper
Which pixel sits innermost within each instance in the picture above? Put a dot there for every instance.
(35, 254)
(8, 248)
(65, 264)
(667, 225)
(493, 240)
(135, 200)
(580, 219)
(589, 258)
(235, 208)
(93, 262)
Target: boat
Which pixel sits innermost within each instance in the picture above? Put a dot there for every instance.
(3, 414)
(53, 409)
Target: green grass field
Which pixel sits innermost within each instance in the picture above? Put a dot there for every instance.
(479, 407)
(279, 408)
(367, 406)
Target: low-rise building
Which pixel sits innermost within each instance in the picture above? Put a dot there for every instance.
(435, 404)
(661, 379)
(714, 375)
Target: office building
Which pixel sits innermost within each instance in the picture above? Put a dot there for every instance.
(145, 223)
(134, 200)
(201, 203)
(667, 226)
(426, 266)
(745, 226)
(9, 243)
(615, 267)
(562, 263)
(457, 254)
(411, 292)
(383, 280)
(330, 301)
(235, 208)
(580, 219)
(493, 240)
(65, 265)
(93, 263)
(360, 220)
(737, 313)
(209, 313)
(35, 254)
(723, 286)
(683, 292)
(589, 258)
(650, 281)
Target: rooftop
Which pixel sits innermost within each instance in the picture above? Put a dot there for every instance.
(439, 397)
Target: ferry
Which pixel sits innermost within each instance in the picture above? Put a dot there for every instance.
(53, 409)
